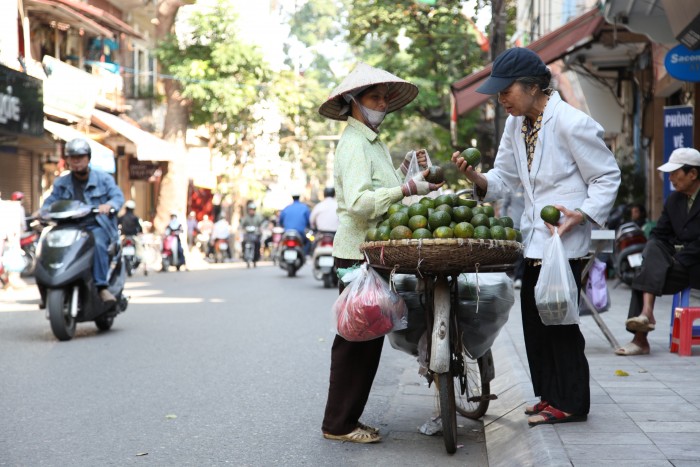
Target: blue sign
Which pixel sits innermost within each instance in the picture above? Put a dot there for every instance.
(678, 133)
(683, 63)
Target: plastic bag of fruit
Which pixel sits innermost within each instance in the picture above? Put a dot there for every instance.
(414, 168)
(556, 294)
(368, 308)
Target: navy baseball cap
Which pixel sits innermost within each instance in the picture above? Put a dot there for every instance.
(512, 64)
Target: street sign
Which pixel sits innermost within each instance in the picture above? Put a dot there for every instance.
(683, 63)
(678, 133)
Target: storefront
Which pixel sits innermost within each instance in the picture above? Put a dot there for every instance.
(23, 148)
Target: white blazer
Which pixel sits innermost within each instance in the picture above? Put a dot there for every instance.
(572, 166)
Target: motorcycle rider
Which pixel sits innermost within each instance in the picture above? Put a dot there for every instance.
(256, 220)
(130, 225)
(95, 188)
(296, 217)
(221, 231)
(205, 228)
(175, 226)
(324, 217)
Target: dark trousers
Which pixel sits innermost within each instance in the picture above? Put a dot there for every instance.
(555, 354)
(353, 367)
(660, 275)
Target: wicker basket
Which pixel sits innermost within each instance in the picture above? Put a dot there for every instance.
(442, 256)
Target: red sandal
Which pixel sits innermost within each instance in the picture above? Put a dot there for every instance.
(537, 408)
(552, 416)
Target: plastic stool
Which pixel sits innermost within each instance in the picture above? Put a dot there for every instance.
(680, 299)
(682, 337)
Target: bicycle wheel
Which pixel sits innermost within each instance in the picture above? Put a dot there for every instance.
(448, 413)
(475, 400)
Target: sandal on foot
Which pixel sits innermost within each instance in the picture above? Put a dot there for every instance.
(639, 324)
(551, 416)
(367, 428)
(358, 435)
(632, 349)
(537, 408)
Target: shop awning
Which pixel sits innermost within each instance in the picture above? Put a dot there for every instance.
(53, 10)
(148, 146)
(103, 17)
(549, 47)
(102, 157)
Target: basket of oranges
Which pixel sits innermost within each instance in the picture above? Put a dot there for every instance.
(448, 234)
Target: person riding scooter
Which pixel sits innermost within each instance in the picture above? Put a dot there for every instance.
(130, 227)
(174, 228)
(296, 217)
(220, 234)
(324, 216)
(252, 218)
(95, 188)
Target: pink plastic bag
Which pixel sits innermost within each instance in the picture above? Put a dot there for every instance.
(368, 308)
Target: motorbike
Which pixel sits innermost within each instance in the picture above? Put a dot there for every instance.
(131, 261)
(627, 251)
(275, 240)
(324, 267)
(251, 237)
(64, 271)
(170, 252)
(220, 249)
(28, 242)
(291, 252)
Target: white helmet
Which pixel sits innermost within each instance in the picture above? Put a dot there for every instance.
(131, 204)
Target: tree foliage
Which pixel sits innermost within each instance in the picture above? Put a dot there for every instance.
(222, 75)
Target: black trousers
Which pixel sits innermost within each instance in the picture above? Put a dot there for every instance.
(353, 367)
(555, 354)
(660, 275)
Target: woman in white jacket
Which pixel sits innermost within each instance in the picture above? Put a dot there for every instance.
(558, 155)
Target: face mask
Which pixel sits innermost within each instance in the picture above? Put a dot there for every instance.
(374, 118)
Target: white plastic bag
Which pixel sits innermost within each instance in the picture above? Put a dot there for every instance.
(413, 170)
(368, 308)
(556, 294)
(13, 259)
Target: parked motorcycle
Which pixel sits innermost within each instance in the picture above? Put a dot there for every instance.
(324, 267)
(251, 238)
(131, 261)
(627, 251)
(170, 254)
(291, 252)
(64, 271)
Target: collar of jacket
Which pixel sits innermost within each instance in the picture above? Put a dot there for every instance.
(362, 128)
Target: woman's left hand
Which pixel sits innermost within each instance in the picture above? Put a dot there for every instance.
(422, 158)
(570, 220)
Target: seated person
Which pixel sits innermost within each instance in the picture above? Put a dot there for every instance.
(672, 254)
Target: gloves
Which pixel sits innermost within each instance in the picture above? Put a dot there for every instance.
(421, 156)
(418, 186)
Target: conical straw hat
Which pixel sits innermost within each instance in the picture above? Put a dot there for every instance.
(401, 92)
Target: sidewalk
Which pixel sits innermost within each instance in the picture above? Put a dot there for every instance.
(649, 418)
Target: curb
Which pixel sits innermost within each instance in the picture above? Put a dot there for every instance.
(509, 439)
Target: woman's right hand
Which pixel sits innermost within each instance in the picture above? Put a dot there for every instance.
(469, 172)
(418, 186)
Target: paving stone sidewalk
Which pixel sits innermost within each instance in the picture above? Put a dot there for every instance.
(649, 418)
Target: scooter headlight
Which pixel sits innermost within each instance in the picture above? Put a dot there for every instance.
(62, 238)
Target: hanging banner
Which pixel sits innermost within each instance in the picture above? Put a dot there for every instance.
(678, 133)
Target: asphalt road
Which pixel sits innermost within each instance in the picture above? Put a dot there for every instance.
(206, 367)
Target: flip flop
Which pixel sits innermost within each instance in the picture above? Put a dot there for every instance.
(553, 416)
(631, 349)
(537, 408)
(368, 428)
(639, 324)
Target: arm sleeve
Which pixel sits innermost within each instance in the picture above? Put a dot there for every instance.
(116, 197)
(597, 166)
(362, 199)
(502, 178)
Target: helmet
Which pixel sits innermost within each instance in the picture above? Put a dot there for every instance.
(329, 192)
(131, 204)
(78, 147)
(17, 196)
(173, 213)
(295, 194)
(252, 205)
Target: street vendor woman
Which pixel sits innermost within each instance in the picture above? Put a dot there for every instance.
(558, 155)
(366, 185)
